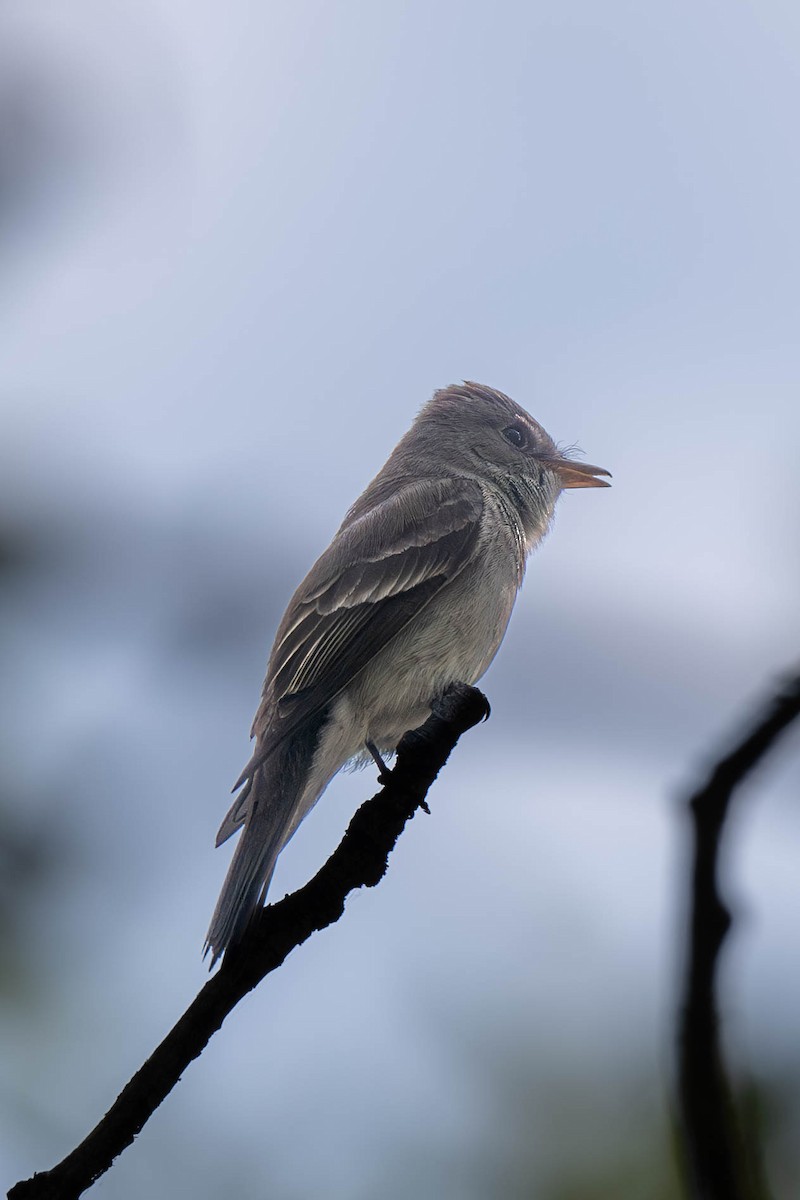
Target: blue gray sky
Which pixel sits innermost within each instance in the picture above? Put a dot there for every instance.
(240, 247)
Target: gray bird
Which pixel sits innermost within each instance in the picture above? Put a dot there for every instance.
(414, 593)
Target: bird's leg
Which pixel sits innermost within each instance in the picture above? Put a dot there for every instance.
(383, 770)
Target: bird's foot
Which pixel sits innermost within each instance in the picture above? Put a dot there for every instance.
(383, 771)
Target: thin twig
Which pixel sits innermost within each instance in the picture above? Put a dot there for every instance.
(359, 861)
(717, 1164)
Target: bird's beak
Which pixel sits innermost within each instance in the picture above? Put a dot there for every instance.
(577, 474)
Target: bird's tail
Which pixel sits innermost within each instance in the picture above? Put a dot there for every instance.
(266, 812)
(277, 794)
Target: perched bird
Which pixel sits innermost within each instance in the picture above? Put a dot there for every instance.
(414, 593)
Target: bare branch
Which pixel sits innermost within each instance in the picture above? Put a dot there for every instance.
(359, 861)
(717, 1164)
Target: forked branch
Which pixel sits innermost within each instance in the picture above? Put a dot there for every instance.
(716, 1159)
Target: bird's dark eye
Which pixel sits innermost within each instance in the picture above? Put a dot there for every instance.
(515, 435)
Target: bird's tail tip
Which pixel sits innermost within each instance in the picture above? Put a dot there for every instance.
(216, 953)
(243, 894)
(231, 917)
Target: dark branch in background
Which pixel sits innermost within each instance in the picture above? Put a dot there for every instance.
(717, 1163)
(359, 861)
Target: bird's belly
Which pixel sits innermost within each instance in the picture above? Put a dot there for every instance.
(453, 640)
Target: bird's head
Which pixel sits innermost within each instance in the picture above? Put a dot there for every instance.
(477, 430)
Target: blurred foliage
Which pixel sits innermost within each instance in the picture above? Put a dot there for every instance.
(27, 857)
(590, 1138)
(29, 849)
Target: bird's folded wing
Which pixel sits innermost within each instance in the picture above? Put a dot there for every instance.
(380, 571)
